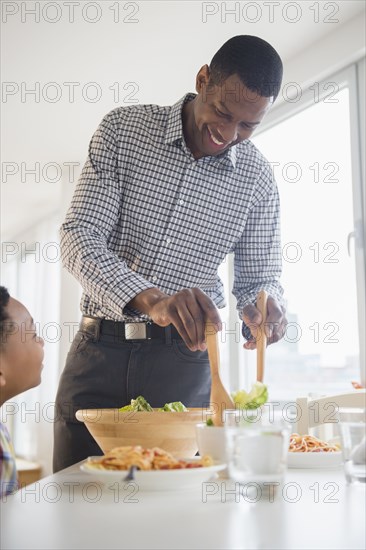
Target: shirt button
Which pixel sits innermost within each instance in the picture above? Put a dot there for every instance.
(154, 278)
(181, 202)
(168, 240)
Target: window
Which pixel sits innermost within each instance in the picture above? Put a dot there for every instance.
(312, 144)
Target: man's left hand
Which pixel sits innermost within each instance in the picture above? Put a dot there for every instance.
(275, 325)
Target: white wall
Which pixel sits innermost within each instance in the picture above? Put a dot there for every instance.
(327, 55)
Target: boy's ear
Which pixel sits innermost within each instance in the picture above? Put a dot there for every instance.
(2, 379)
(2, 373)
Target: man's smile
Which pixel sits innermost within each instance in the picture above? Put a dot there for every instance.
(217, 140)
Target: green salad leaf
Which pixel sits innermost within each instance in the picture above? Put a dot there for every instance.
(257, 396)
(209, 422)
(126, 408)
(175, 406)
(140, 404)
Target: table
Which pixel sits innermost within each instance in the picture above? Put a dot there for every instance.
(312, 509)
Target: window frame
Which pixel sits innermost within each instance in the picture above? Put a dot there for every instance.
(353, 77)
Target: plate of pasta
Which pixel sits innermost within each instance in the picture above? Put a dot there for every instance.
(157, 470)
(307, 451)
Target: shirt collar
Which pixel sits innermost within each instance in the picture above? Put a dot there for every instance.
(174, 127)
(174, 133)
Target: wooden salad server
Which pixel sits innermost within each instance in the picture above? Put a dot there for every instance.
(219, 398)
(262, 338)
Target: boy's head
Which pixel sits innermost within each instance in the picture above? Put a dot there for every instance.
(21, 350)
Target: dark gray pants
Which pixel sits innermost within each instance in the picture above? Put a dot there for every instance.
(108, 373)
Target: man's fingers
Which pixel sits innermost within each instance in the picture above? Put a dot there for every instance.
(252, 315)
(210, 314)
(252, 318)
(274, 319)
(181, 325)
(192, 306)
(274, 326)
(279, 331)
(251, 344)
(198, 315)
(209, 310)
(193, 321)
(188, 310)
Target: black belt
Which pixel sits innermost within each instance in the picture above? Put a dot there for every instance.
(127, 331)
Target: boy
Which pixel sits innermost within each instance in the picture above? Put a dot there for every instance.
(21, 356)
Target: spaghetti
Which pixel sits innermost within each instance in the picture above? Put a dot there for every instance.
(309, 444)
(122, 458)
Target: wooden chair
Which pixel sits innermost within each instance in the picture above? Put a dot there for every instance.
(323, 410)
(28, 472)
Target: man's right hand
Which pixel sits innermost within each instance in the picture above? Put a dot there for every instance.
(188, 310)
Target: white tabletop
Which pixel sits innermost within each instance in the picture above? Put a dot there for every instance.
(316, 509)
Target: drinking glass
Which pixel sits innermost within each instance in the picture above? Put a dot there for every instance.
(257, 451)
(352, 427)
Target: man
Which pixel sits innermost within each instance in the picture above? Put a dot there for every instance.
(165, 194)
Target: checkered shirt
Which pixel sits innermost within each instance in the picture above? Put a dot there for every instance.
(146, 214)
(8, 471)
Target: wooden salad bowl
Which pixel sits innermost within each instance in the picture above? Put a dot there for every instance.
(172, 431)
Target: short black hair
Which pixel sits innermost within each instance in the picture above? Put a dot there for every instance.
(4, 316)
(254, 60)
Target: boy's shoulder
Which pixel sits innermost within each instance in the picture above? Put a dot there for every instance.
(6, 445)
(8, 471)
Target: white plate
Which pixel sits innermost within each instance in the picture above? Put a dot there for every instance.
(314, 460)
(159, 480)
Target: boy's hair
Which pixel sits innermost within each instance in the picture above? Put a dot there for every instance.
(254, 60)
(4, 316)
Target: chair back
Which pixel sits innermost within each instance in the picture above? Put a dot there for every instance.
(323, 410)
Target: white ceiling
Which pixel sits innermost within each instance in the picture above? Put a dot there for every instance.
(160, 54)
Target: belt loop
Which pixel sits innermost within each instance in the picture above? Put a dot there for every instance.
(92, 326)
(148, 330)
(119, 332)
(168, 335)
(97, 331)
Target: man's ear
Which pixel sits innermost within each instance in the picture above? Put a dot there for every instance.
(202, 78)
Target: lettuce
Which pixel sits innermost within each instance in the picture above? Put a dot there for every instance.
(140, 404)
(175, 406)
(257, 396)
(126, 408)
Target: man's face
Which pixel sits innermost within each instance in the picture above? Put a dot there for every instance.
(222, 115)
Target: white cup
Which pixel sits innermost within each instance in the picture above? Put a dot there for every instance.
(211, 440)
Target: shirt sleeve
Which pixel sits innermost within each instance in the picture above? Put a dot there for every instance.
(257, 255)
(8, 472)
(94, 211)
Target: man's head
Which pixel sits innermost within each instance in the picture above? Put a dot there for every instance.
(253, 60)
(234, 93)
(21, 350)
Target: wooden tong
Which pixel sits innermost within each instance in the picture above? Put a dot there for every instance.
(261, 337)
(219, 397)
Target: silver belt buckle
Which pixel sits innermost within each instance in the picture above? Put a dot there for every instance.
(135, 331)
